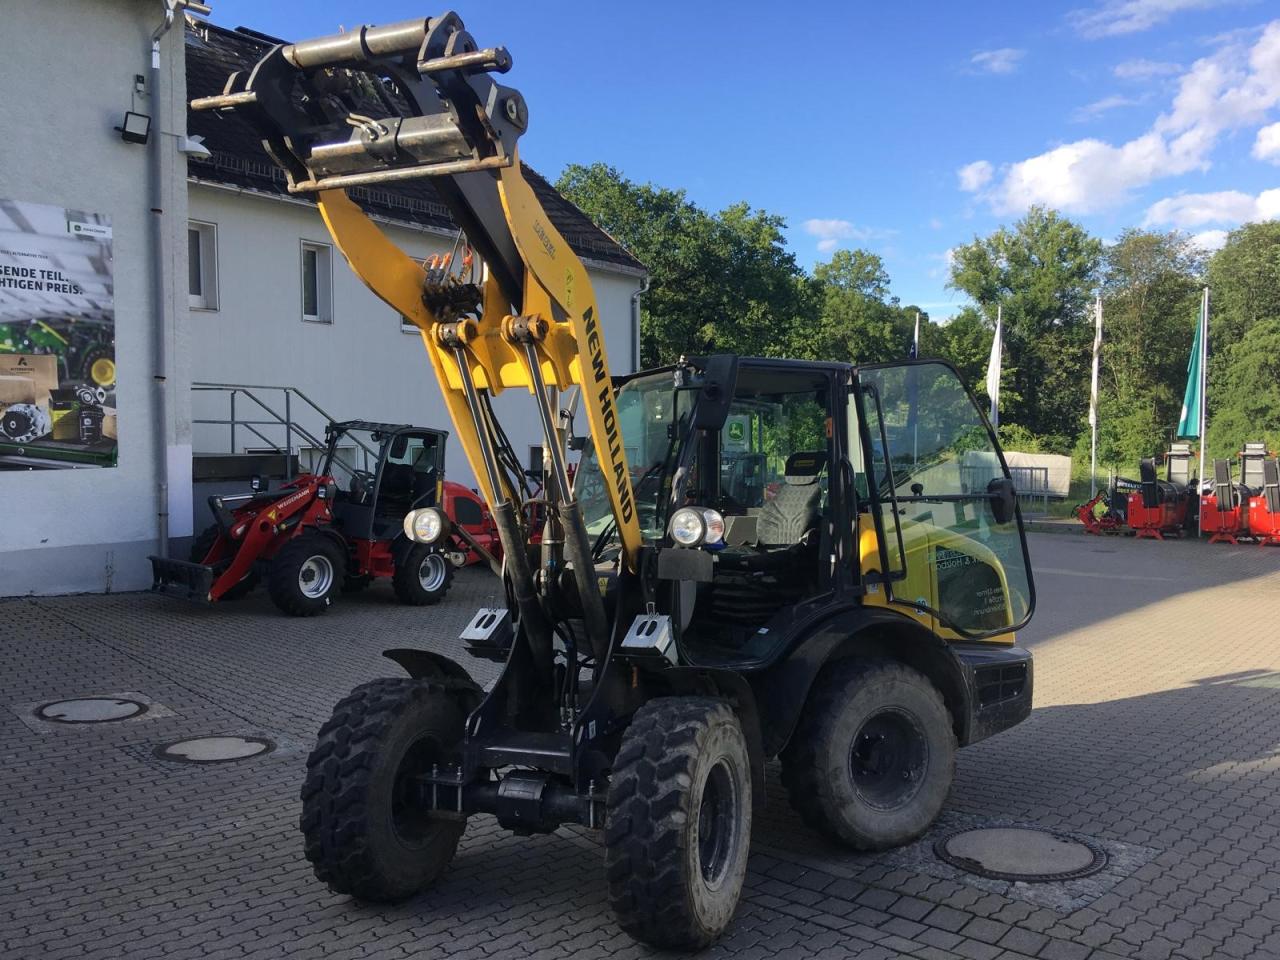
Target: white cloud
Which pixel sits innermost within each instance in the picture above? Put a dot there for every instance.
(1267, 145)
(1210, 240)
(974, 176)
(1144, 69)
(946, 260)
(1115, 18)
(1234, 87)
(1096, 109)
(1004, 60)
(935, 223)
(830, 233)
(1230, 207)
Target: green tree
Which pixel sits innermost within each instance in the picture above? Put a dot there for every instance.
(856, 320)
(1042, 271)
(723, 282)
(1150, 290)
(1244, 339)
(1244, 281)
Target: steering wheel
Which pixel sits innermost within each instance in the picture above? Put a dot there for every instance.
(361, 485)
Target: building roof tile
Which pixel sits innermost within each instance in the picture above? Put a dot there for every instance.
(238, 159)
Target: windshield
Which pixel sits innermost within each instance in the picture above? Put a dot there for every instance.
(650, 410)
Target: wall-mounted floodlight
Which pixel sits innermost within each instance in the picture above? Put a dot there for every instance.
(136, 127)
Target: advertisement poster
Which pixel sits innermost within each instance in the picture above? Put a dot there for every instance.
(57, 338)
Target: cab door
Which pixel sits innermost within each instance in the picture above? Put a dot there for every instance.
(939, 530)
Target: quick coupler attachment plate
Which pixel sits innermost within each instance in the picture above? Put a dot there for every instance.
(489, 634)
(650, 635)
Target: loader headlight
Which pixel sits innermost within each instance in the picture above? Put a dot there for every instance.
(426, 525)
(695, 526)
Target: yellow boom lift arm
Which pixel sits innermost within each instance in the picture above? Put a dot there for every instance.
(416, 99)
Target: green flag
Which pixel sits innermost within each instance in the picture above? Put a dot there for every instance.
(1189, 423)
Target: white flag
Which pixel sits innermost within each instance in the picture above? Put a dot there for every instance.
(993, 368)
(1097, 354)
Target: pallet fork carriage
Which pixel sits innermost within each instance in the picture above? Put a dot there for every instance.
(755, 558)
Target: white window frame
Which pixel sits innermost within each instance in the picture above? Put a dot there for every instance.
(207, 298)
(324, 281)
(407, 325)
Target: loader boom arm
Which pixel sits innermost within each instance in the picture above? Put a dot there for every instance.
(418, 99)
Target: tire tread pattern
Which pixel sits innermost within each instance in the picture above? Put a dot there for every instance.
(647, 816)
(807, 789)
(335, 812)
(282, 575)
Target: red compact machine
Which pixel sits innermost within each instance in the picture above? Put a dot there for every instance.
(1260, 474)
(1224, 513)
(1160, 507)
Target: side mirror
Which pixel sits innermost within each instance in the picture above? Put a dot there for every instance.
(577, 444)
(719, 381)
(1004, 499)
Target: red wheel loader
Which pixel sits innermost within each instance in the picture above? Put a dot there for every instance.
(316, 536)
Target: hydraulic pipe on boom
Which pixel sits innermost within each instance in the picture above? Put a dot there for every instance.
(417, 99)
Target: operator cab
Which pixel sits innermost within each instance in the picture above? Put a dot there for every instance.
(812, 484)
(381, 472)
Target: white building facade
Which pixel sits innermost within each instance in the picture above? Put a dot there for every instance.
(126, 322)
(78, 512)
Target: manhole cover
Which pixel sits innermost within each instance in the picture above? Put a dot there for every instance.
(213, 749)
(1020, 854)
(90, 710)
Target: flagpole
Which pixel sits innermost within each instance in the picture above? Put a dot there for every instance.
(915, 419)
(1204, 402)
(1093, 400)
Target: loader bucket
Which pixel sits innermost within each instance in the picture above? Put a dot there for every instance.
(196, 578)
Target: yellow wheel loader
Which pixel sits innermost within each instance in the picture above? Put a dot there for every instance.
(820, 562)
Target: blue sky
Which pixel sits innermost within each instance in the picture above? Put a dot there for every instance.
(904, 128)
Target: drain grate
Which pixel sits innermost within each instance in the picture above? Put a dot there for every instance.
(214, 749)
(1020, 854)
(90, 710)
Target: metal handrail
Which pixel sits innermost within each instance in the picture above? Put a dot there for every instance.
(285, 420)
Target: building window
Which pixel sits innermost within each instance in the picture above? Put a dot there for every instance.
(407, 325)
(317, 282)
(202, 265)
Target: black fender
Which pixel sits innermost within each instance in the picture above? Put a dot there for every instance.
(782, 690)
(427, 665)
(732, 688)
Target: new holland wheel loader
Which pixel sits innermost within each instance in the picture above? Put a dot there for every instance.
(819, 562)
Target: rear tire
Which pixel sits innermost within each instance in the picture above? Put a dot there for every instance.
(872, 759)
(679, 827)
(363, 833)
(200, 548)
(305, 573)
(423, 577)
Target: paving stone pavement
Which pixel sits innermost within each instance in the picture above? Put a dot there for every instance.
(1156, 732)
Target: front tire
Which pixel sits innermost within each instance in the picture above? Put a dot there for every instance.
(364, 832)
(679, 827)
(873, 757)
(423, 577)
(305, 574)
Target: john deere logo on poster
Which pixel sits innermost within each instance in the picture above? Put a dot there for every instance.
(736, 433)
(57, 338)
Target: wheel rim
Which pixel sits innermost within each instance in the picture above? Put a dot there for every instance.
(410, 819)
(315, 577)
(432, 572)
(717, 824)
(888, 759)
